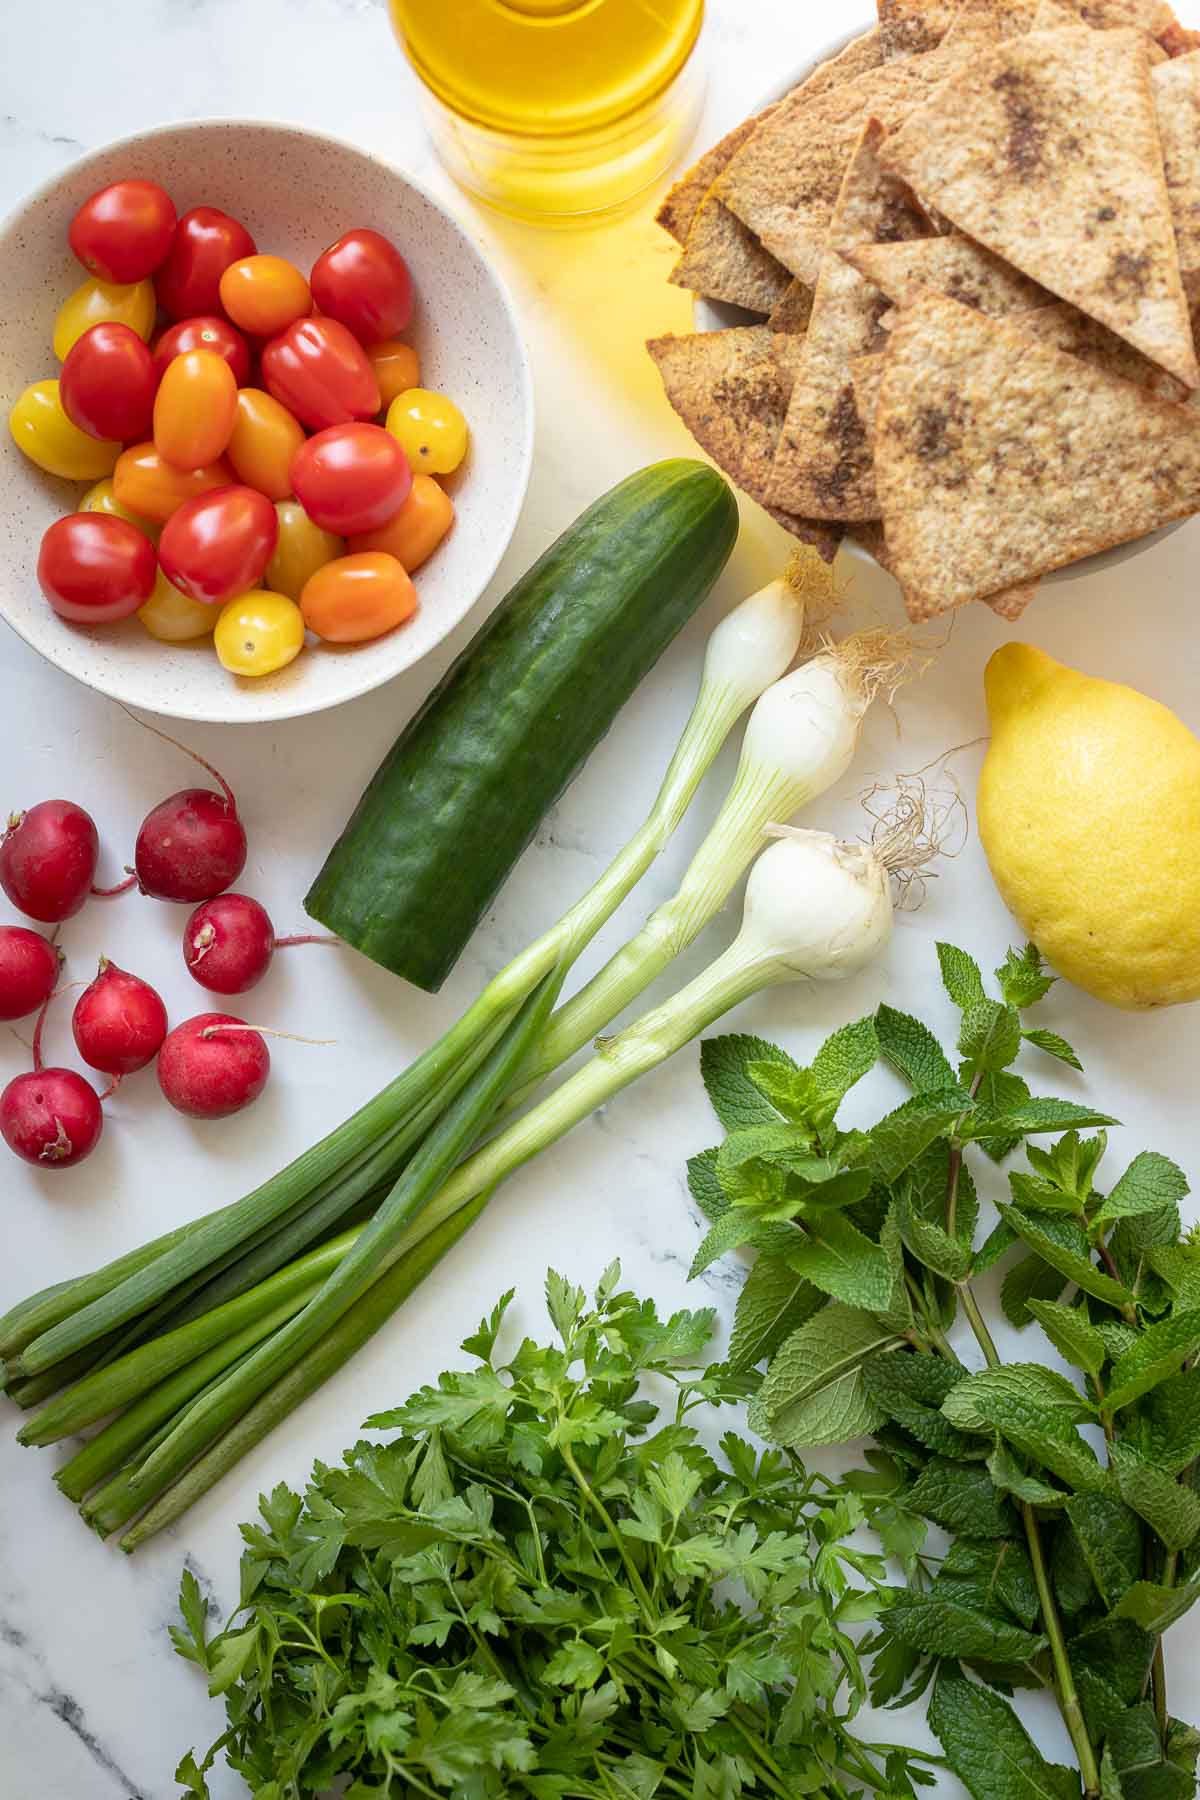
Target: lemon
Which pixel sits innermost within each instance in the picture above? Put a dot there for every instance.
(1089, 812)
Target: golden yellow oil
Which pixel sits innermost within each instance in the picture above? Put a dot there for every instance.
(555, 108)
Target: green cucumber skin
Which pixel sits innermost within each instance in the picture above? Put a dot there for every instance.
(465, 787)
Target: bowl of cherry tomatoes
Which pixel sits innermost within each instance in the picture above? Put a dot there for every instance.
(270, 421)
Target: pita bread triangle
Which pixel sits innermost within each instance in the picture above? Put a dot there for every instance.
(723, 259)
(1046, 150)
(911, 27)
(953, 265)
(1176, 87)
(998, 458)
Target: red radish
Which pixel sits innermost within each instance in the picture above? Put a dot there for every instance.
(193, 845)
(51, 1117)
(48, 860)
(213, 1065)
(119, 1022)
(229, 943)
(28, 971)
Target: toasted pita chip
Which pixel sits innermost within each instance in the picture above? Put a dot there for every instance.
(1177, 40)
(793, 312)
(998, 459)
(1046, 150)
(683, 202)
(731, 390)
(1152, 16)
(954, 265)
(1066, 328)
(911, 27)
(823, 466)
(860, 56)
(724, 260)
(866, 372)
(785, 182)
(981, 22)
(1176, 86)
(1052, 15)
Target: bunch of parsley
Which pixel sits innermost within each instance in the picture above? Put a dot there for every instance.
(1071, 1551)
(541, 1588)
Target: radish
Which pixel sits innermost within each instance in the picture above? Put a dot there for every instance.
(51, 1117)
(192, 846)
(28, 971)
(229, 943)
(213, 1065)
(48, 859)
(119, 1022)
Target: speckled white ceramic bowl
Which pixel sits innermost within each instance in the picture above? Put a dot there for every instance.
(296, 190)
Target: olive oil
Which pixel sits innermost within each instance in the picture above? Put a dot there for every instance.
(555, 108)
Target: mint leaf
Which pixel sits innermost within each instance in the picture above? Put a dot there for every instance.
(837, 1258)
(788, 1145)
(961, 977)
(1064, 1246)
(723, 1067)
(1159, 1352)
(961, 1498)
(1170, 1510)
(1033, 1421)
(846, 1057)
(989, 1749)
(1070, 1165)
(942, 1627)
(1072, 1335)
(991, 1036)
(1111, 1541)
(969, 1403)
(913, 1051)
(998, 1242)
(1053, 1045)
(1022, 977)
(1166, 1428)
(814, 1392)
(901, 1136)
(1179, 1266)
(703, 1185)
(1011, 1478)
(1140, 1759)
(1039, 1114)
(774, 1302)
(1150, 1183)
(793, 1093)
(734, 1229)
(933, 1247)
(998, 1569)
(1156, 1608)
(910, 1390)
(1028, 1280)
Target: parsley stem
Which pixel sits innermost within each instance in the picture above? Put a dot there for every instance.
(598, 1507)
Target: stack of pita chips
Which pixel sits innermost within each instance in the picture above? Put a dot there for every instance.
(973, 244)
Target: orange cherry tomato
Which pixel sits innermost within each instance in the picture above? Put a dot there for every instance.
(265, 294)
(417, 529)
(152, 488)
(194, 409)
(397, 368)
(265, 439)
(354, 598)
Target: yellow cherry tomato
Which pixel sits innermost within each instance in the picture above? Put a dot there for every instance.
(173, 617)
(397, 367)
(154, 488)
(103, 499)
(300, 550)
(258, 633)
(264, 294)
(43, 431)
(265, 438)
(429, 429)
(417, 529)
(98, 302)
(194, 409)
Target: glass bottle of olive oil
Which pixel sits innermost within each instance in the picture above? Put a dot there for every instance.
(555, 108)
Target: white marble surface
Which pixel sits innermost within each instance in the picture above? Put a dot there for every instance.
(93, 1705)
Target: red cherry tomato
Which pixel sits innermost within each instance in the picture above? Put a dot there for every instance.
(107, 383)
(123, 232)
(94, 568)
(363, 281)
(194, 409)
(351, 477)
(217, 546)
(319, 371)
(205, 243)
(206, 333)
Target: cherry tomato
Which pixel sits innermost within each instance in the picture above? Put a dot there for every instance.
(146, 484)
(103, 303)
(204, 333)
(351, 477)
(396, 367)
(259, 633)
(302, 548)
(43, 431)
(363, 281)
(264, 294)
(319, 371)
(417, 529)
(355, 598)
(123, 232)
(194, 409)
(107, 383)
(102, 499)
(429, 429)
(205, 243)
(94, 568)
(219, 544)
(265, 439)
(173, 617)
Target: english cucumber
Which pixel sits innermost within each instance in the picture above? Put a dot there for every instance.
(473, 774)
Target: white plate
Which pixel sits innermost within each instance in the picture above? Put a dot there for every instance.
(296, 190)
